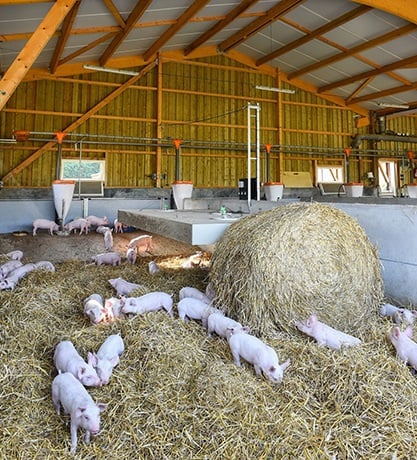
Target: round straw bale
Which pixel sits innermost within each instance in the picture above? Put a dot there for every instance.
(271, 268)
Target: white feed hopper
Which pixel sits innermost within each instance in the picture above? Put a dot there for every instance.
(63, 191)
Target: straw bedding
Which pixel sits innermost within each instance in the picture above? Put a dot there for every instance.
(275, 267)
(177, 394)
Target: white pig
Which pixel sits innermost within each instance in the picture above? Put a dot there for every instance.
(19, 272)
(102, 229)
(45, 224)
(192, 308)
(258, 353)
(69, 393)
(67, 359)
(153, 267)
(194, 293)
(80, 224)
(15, 255)
(220, 324)
(118, 226)
(326, 335)
(7, 284)
(122, 286)
(9, 266)
(131, 255)
(95, 221)
(107, 258)
(108, 240)
(399, 315)
(94, 309)
(107, 357)
(141, 243)
(152, 301)
(46, 265)
(405, 346)
(113, 305)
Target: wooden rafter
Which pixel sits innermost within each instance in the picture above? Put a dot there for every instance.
(63, 37)
(405, 9)
(384, 93)
(358, 90)
(83, 118)
(231, 16)
(34, 46)
(258, 24)
(179, 24)
(133, 18)
(84, 49)
(371, 73)
(115, 12)
(355, 50)
(314, 34)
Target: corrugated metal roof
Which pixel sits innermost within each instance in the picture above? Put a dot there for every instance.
(359, 55)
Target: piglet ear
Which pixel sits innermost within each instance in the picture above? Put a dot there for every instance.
(396, 332)
(102, 406)
(81, 372)
(79, 411)
(312, 319)
(285, 365)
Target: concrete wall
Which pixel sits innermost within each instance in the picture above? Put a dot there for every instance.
(19, 214)
(393, 229)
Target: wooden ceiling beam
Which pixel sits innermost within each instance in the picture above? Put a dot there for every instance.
(258, 24)
(314, 34)
(83, 118)
(371, 73)
(34, 46)
(64, 36)
(358, 90)
(133, 18)
(115, 12)
(231, 16)
(355, 50)
(405, 9)
(84, 49)
(384, 93)
(170, 32)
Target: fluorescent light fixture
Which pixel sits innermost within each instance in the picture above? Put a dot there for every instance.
(109, 70)
(393, 106)
(275, 90)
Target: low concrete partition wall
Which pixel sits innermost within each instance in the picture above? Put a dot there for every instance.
(393, 229)
(18, 215)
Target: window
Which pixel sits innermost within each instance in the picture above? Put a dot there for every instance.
(329, 174)
(84, 170)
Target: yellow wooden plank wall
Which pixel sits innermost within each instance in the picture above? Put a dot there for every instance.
(202, 103)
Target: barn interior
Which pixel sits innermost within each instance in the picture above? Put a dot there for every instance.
(186, 120)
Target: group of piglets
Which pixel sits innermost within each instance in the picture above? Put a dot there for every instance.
(137, 246)
(107, 310)
(196, 305)
(83, 225)
(74, 374)
(402, 341)
(12, 271)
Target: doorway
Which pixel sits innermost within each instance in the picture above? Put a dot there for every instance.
(387, 177)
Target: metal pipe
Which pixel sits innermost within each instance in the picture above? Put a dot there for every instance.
(356, 142)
